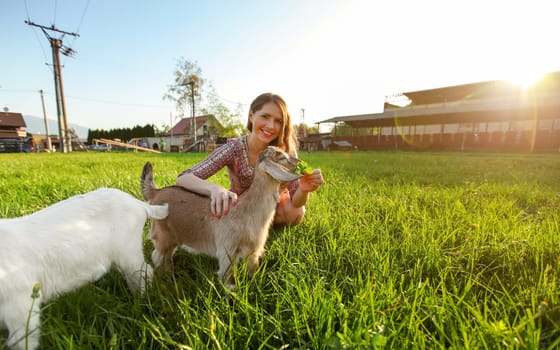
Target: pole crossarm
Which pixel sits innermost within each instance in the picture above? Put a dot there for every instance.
(52, 28)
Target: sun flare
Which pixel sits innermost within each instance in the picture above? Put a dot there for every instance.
(527, 79)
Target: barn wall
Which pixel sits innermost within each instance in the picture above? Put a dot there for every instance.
(504, 136)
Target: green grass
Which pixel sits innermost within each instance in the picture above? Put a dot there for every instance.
(398, 250)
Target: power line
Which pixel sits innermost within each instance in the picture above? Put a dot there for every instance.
(26, 8)
(18, 90)
(80, 22)
(83, 16)
(86, 99)
(116, 103)
(55, 8)
(224, 99)
(35, 33)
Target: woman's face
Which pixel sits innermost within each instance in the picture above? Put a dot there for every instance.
(267, 122)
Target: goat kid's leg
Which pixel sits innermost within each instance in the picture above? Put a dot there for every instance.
(163, 259)
(16, 313)
(163, 249)
(157, 258)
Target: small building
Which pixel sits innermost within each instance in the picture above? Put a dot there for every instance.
(207, 132)
(311, 142)
(13, 136)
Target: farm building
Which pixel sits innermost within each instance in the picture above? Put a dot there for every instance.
(13, 136)
(491, 115)
(207, 127)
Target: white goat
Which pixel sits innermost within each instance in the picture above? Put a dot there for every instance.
(242, 233)
(64, 246)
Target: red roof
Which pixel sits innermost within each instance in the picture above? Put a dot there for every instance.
(182, 127)
(13, 120)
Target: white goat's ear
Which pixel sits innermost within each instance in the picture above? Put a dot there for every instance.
(279, 172)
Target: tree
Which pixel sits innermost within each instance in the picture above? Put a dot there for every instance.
(232, 125)
(187, 83)
(312, 129)
(188, 74)
(159, 132)
(124, 134)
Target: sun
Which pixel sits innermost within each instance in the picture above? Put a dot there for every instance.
(526, 79)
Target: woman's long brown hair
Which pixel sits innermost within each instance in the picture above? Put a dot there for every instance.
(287, 139)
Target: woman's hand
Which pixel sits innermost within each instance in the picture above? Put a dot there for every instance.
(221, 201)
(311, 182)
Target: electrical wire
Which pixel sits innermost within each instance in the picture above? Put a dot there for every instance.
(79, 24)
(226, 100)
(55, 8)
(36, 36)
(87, 99)
(26, 8)
(214, 94)
(83, 16)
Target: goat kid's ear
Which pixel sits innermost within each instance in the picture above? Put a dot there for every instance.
(279, 172)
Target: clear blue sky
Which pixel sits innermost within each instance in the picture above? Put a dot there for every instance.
(329, 57)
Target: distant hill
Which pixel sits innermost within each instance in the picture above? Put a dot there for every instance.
(36, 125)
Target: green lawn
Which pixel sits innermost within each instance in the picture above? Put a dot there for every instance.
(398, 250)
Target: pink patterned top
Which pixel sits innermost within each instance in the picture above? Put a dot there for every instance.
(235, 155)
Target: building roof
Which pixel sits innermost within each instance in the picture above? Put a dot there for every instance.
(476, 102)
(184, 124)
(482, 90)
(12, 120)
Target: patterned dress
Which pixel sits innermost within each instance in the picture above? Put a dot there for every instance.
(235, 156)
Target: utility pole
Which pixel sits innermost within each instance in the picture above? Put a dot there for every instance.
(193, 122)
(171, 129)
(302, 127)
(49, 145)
(56, 44)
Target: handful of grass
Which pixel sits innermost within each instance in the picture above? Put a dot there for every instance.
(303, 168)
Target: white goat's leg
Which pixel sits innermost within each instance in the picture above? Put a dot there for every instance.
(252, 263)
(146, 274)
(227, 263)
(138, 277)
(17, 312)
(132, 265)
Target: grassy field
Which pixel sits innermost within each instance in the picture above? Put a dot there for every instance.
(398, 250)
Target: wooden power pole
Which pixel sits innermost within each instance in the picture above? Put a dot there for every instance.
(49, 144)
(65, 141)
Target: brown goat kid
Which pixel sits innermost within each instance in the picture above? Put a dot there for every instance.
(241, 234)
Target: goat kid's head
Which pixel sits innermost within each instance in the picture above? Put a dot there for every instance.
(278, 164)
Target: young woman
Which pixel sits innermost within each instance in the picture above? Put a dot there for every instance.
(269, 125)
